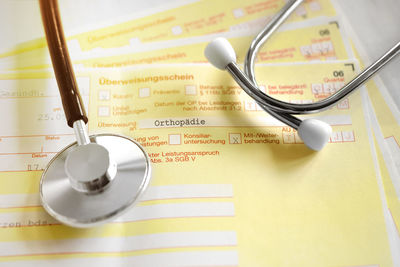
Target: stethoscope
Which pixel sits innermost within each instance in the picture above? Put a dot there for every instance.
(99, 177)
(314, 133)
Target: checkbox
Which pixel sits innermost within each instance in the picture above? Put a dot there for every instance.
(306, 50)
(316, 49)
(177, 30)
(144, 92)
(250, 105)
(238, 13)
(327, 47)
(316, 88)
(344, 104)
(289, 138)
(329, 88)
(103, 111)
(174, 139)
(104, 95)
(190, 89)
(348, 136)
(336, 137)
(235, 138)
(315, 6)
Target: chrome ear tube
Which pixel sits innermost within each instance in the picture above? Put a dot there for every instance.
(314, 133)
(97, 178)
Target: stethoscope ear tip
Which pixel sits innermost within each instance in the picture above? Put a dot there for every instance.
(314, 133)
(220, 53)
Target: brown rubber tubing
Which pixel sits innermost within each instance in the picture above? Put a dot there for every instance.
(70, 96)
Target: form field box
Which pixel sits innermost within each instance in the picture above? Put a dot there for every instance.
(316, 48)
(315, 6)
(144, 92)
(348, 136)
(344, 104)
(306, 50)
(190, 90)
(177, 30)
(238, 13)
(336, 137)
(327, 47)
(103, 111)
(289, 138)
(317, 88)
(104, 95)
(235, 138)
(174, 139)
(329, 88)
(250, 105)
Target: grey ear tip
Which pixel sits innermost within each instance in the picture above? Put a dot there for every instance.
(314, 133)
(220, 53)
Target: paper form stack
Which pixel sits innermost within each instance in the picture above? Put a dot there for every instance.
(231, 185)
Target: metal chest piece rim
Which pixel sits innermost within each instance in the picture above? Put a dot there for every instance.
(85, 186)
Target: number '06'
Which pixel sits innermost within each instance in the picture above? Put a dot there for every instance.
(338, 73)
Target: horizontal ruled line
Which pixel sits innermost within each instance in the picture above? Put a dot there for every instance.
(137, 213)
(114, 244)
(164, 192)
(187, 259)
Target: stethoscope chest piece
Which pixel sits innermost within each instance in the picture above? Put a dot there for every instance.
(87, 185)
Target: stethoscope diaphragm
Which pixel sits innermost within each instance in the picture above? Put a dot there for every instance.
(101, 193)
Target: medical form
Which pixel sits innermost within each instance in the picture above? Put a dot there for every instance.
(231, 185)
(195, 117)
